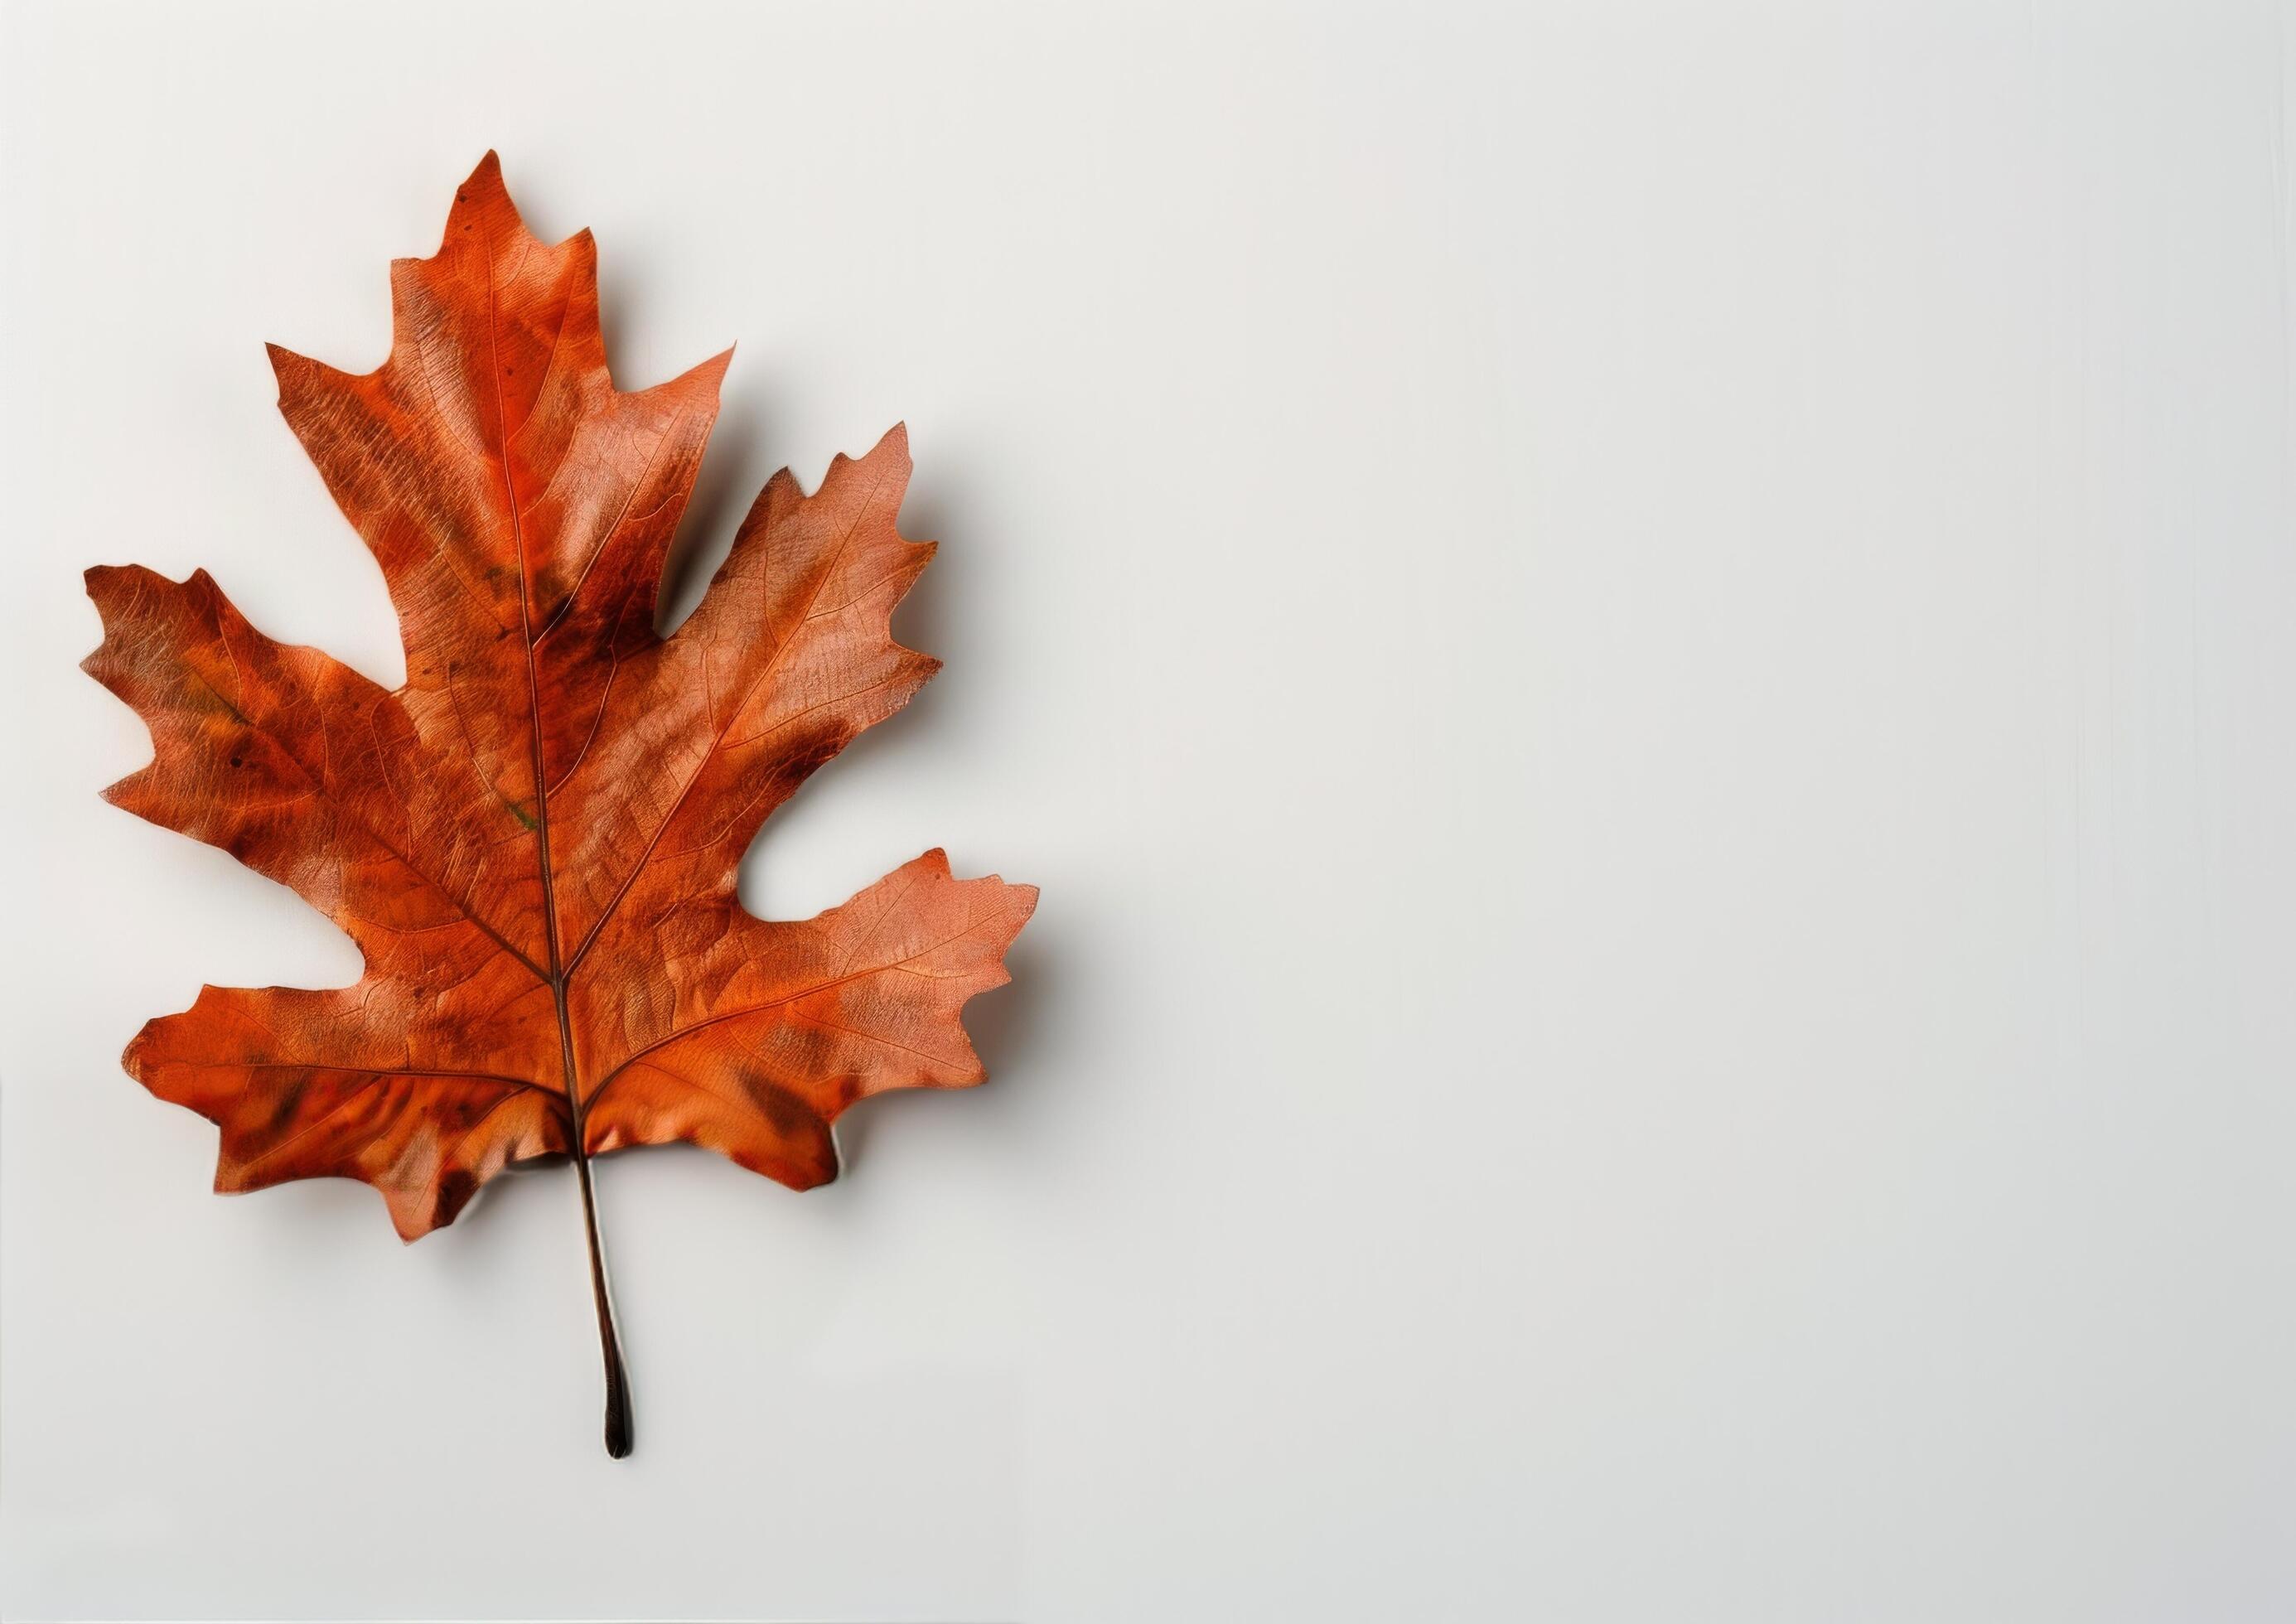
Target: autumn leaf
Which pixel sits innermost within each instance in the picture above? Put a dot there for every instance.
(534, 841)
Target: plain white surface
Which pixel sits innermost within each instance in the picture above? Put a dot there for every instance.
(1647, 654)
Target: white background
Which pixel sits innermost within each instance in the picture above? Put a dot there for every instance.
(1647, 654)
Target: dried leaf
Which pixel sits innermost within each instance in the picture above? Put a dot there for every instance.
(534, 841)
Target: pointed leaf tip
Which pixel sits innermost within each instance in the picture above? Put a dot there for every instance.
(285, 366)
(481, 194)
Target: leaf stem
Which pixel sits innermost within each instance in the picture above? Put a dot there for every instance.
(617, 1385)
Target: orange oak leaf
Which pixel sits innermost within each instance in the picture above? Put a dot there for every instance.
(534, 841)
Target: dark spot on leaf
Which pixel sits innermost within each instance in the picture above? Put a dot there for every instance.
(455, 1188)
(288, 1101)
(782, 1107)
